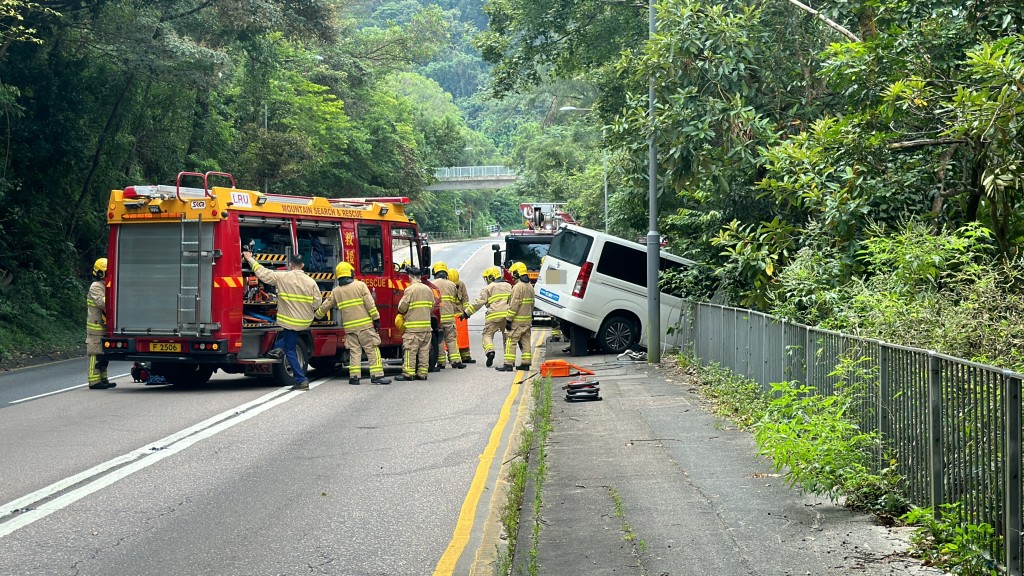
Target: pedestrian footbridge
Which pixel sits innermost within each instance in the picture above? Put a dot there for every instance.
(472, 178)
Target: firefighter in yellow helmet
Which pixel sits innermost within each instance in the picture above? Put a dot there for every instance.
(518, 319)
(96, 327)
(461, 327)
(361, 321)
(415, 307)
(495, 296)
(449, 297)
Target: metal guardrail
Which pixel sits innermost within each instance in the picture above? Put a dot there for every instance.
(952, 426)
(473, 172)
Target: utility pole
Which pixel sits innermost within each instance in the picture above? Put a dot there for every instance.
(653, 237)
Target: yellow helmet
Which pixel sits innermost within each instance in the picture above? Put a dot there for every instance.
(344, 270)
(439, 267)
(491, 274)
(99, 268)
(453, 275)
(518, 269)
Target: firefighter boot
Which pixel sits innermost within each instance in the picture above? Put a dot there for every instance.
(276, 353)
(505, 368)
(354, 380)
(490, 358)
(380, 380)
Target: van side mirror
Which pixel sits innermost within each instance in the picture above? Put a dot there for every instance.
(425, 257)
(496, 247)
(497, 255)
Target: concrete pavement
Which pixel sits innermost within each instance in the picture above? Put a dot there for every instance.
(649, 482)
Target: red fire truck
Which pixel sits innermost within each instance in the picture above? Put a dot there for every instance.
(180, 296)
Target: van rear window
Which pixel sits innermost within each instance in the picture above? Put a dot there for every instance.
(629, 264)
(570, 246)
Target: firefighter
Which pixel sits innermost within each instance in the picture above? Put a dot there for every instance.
(461, 328)
(495, 296)
(518, 319)
(361, 321)
(298, 297)
(448, 291)
(96, 327)
(414, 317)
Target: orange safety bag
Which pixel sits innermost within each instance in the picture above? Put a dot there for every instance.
(462, 333)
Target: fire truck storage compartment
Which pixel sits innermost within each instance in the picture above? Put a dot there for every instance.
(270, 240)
(164, 278)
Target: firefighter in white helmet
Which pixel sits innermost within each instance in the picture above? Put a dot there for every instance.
(518, 320)
(361, 321)
(495, 296)
(96, 327)
(449, 297)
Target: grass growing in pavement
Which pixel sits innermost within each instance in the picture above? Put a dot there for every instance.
(533, 436)
(627, 530)
(542, 428)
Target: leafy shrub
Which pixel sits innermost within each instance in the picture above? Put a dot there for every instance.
(810, 435)
(951, 543)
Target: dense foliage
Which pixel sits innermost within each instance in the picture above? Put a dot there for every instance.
(794, 145)
(315, 97)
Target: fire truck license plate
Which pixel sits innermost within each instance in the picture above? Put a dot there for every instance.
(164, 347)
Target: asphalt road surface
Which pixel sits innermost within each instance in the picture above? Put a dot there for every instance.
(240, 478)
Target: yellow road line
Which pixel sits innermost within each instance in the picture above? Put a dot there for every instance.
(464, 525)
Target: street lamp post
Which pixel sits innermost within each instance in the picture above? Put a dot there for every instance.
(604, 163)
(653, 237)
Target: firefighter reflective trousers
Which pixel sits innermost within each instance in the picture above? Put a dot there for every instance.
(416, 353)
(97, 369)
(519, 335)
(452, 343)
(490, 329)
(359, 342)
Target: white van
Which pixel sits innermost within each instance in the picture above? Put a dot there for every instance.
(595, 284)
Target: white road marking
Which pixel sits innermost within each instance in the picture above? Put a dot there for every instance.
(136, 460)
(56, 391)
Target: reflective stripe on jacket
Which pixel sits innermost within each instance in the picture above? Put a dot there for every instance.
(298, 296)
(355, 304)
(495, 295)
(415, 306)
(449, 296)
(95, 301)
(520, 304)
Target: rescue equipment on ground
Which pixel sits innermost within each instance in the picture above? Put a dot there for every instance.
(584, 390)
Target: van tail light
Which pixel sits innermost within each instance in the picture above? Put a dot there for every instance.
(582, 280)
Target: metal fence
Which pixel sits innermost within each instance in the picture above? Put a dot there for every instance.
(473, 172)
(951, 426)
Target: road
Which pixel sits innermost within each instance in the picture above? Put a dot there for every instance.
(240, 478)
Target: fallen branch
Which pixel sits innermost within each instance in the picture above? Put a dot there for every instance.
(923, 142)
(829, 22)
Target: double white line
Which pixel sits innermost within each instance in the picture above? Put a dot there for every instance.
(20, 513)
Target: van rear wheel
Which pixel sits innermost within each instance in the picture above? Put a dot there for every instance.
(617, 334)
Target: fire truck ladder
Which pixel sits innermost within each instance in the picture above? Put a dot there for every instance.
(190, 293)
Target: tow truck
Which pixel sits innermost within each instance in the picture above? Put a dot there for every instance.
(530, 244)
